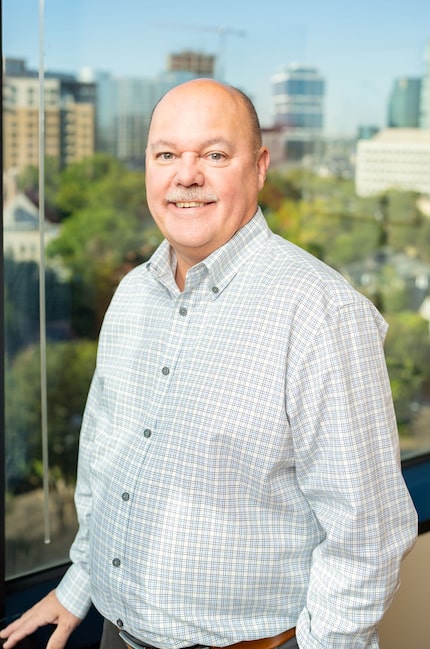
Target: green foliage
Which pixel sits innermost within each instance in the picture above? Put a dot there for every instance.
(324, 216)
(101, 181)
(28, 180)
(70, 366)
(105, 231)
(277, 188)
(407, 351)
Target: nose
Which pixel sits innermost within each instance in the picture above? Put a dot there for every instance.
(188, 172)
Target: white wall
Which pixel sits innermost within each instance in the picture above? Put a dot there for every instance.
(406, 624)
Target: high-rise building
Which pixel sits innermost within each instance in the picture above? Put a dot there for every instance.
(124, 105)
(404, 103)
(298, 96)
(134, 103)
(425, 90)
(199, 64)
(69, 117)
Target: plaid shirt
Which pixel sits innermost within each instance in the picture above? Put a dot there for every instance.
(239, 467)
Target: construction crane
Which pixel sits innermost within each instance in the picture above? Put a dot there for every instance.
(223, 33)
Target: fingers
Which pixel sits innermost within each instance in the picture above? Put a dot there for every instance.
(47, 611)
(16, 631)
(59, 638)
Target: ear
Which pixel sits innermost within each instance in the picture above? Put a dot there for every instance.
(263, 161)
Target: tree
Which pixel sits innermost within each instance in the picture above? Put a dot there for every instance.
(407, 351)
(101, 181)
(70, 366)
(28, 181)
(106, 228)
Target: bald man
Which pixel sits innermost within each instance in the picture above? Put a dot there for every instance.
(238, 478)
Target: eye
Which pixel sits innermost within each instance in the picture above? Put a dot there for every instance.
(216, 156)
(164, 156)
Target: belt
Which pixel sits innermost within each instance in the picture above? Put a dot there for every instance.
(263, 643)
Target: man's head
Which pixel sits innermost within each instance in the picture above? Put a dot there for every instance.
(205, 165)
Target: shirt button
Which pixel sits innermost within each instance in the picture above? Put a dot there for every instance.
(116, 562)
(119, 623)
(165, 371)
(147, 433)
(125, 496)
(215, 289)
(183, 311)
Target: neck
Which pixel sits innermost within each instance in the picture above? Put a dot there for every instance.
(180, 276)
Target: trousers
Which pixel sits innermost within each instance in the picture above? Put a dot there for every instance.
(111, 640)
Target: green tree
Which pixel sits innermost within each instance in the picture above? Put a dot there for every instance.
(28, 181)
(70, 366)
(101, 181)
(407, 351)
(107, 229)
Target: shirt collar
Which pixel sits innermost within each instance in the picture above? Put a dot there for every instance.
(222, 265)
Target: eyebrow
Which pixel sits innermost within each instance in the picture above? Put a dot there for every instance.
(167, 144)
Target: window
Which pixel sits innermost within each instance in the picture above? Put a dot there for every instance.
(68, 241)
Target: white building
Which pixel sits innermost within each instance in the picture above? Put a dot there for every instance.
(21, 236)
(394, 159)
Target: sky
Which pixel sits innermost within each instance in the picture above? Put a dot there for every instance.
(360, 48)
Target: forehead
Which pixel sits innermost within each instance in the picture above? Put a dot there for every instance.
(209, 116)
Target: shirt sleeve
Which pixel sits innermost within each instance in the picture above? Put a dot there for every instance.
(74, 589)
(348, 468)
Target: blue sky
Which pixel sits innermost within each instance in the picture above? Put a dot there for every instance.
(360, 48)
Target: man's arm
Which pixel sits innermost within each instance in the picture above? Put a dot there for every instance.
(347, 461)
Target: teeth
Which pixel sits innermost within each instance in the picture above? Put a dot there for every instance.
(190, 204)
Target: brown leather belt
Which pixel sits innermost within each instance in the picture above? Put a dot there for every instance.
(264, 643)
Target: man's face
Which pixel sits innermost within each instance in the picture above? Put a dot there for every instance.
(202, 172)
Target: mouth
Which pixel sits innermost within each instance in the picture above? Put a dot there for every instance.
(183, 200)
(187, 204)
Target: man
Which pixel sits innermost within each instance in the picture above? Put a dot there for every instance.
(238, 473)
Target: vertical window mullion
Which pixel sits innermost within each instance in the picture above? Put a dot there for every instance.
(42, 285)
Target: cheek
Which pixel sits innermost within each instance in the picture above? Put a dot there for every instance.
(155, 190)
(157, 177)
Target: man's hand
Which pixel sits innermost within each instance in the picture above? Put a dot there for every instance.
(47, 611)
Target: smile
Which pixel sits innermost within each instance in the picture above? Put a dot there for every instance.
(190, 204)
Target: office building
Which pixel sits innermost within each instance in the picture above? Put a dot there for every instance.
(124, 105)
(394, 159)
(404, 103)
(298, 103)
(201, 65)
(69, 117)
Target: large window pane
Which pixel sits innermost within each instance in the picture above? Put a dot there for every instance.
(341, 185)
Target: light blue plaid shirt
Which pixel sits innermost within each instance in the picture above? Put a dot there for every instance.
(239, 468)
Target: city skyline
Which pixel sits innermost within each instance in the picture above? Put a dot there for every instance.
(359, 50)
